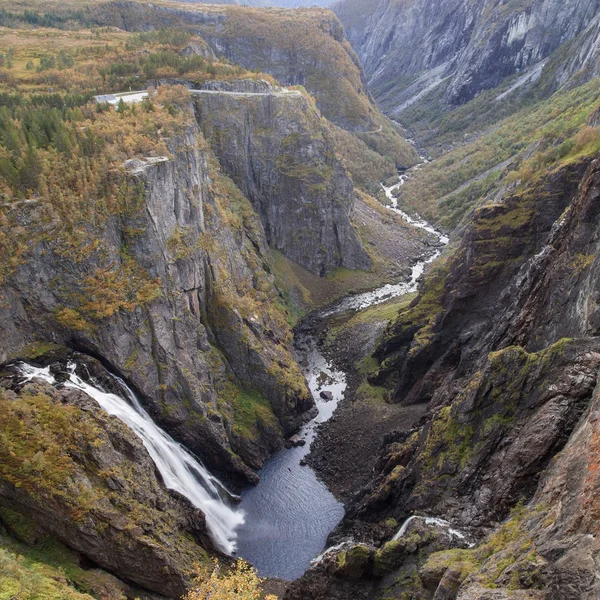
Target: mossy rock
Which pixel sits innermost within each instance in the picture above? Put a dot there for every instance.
(42, 352)
(20, 526)
(389, 557)
(354, 563)
(462, 562)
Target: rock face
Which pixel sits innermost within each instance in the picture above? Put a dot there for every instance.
(87, 480)
(364, 571)
(509, 384)
(304, 47)
(210, 345)
(502, 344)
(276, 150)
(453, 49)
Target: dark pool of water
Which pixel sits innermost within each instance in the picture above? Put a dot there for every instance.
(290, 513)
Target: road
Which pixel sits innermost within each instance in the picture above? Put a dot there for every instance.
(138, 96)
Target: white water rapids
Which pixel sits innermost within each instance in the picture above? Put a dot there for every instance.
(417, 221)
(393, 290)
(453, 533)
(179, 469)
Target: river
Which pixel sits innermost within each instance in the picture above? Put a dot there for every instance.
(290, 513)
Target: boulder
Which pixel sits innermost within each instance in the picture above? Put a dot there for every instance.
(295, 441)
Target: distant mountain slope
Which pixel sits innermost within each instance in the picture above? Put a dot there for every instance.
(287, 3)
(304, 47)
(269, 3)
(447, 52)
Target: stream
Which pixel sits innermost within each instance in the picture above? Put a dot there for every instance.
(290, 513)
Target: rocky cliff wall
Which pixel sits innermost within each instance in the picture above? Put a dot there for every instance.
(304, 47)
(277, 151)
(502, 344)
(448, 52)
(178, 298)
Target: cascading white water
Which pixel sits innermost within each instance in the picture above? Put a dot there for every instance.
(452, 533)
(393, 290)
(180, 470)
(417, 221)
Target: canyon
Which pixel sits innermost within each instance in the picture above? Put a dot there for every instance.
(316, 289)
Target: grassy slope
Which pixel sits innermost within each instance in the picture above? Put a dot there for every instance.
(535, 137)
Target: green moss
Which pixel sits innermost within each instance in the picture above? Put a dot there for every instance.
(389, 557)
(464, 562)
(55, 568)
(448, 443)
(180, 244)
(252, 413)
(418, 320)
(293, 163)
(28, 579)
(37, 349)
(581, 262)
(73, 319)
(495, 422)
(19, 525)
(36, 438)
(353, 563)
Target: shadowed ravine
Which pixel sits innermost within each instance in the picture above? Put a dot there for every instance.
(282, 524)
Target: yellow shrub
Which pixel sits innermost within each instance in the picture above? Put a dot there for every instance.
(240, 583)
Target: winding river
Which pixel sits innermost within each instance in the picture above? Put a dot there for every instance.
(290, 513)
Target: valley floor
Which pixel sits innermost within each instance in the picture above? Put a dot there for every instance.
(347, 447)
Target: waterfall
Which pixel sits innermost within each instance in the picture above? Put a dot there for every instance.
(179, 469)
(452, 533)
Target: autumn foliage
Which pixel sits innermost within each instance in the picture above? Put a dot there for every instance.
(239, 583)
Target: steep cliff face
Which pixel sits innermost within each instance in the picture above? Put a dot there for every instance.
(74, 473)
(448, 52)
(478, 344)
(178, 298)
(506, 354)
(277, 151)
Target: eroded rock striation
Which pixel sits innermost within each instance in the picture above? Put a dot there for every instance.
(276, 150)
(448, 52)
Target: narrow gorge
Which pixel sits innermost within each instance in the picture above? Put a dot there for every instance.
(299, 302)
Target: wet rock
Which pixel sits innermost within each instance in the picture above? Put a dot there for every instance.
(448, 586)
(326, 395)
(295, 441)
(479, 592)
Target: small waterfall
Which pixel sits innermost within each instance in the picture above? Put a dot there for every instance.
(452, 533)
(180, 470)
